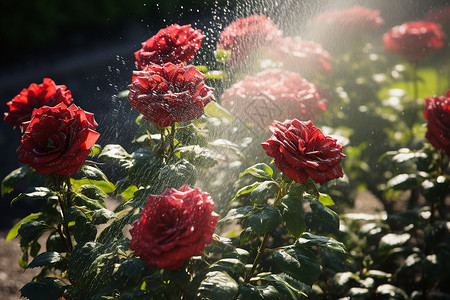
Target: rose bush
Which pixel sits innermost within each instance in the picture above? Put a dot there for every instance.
(35, 96)
(301, 150)
(351, 22)
(244, 36)
(173, 227)
(169, 93)
(301, 55)
(175, 44)
(414, 40)
(58, 139)
(437, 113)
(273, 94)
(148, 235)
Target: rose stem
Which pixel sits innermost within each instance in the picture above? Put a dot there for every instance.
(259, 256)
(161, 142)
(171, 141)
(64, 203)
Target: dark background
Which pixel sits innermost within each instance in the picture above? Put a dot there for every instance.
(88, 46)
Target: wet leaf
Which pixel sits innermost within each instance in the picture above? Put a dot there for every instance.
(402, 182)
(15, 177)
(219, 286)
(264, 292)
(326, 215)
(390, 291)
(246, 189)
(261, 193)
(13, 232)
(392, 240)
(309, 240)
(47, 289)
(292, 211)
(237, 213)
(265, 220)
(301, 264)
(259, 170)
(44, 259)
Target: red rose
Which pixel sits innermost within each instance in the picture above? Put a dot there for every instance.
(246, 35)
(356, 20)
(414, 40)
(176, 44)
(169, 93)
(302, 56)
(437, 112)
(36, 96)
(273, 94)
(173, 227)
(301, 150)
(57, 139)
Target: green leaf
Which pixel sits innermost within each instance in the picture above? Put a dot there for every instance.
(358, 293)
(47, 289)
(83, 231)
(215, 74)
(392, 240)
(292, 210)
(391, 292)
(114, 152)
(264, 292)
(93, 192)
(259, 170)
(265, 220)
(12, 179)
(37, 193)
(79, 267)
(82, 200)
(402, 182)
(288, 286)
(102, 216)
(218, 285)
(410, 263)
(199, 156)
(261, 193)
(247, 235)
(326, 199)
(301, 264)
(13, 232)
(237, 213)
(214, 109)
(309, 240)
(46, 258)
(90, 172)
(145, 168)
(222, 55)
(128, 193)
(32, 230)
(177, 175)
(234, 267)
(105, 186)
(241, 254)
(246, 189)
(326, 215)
